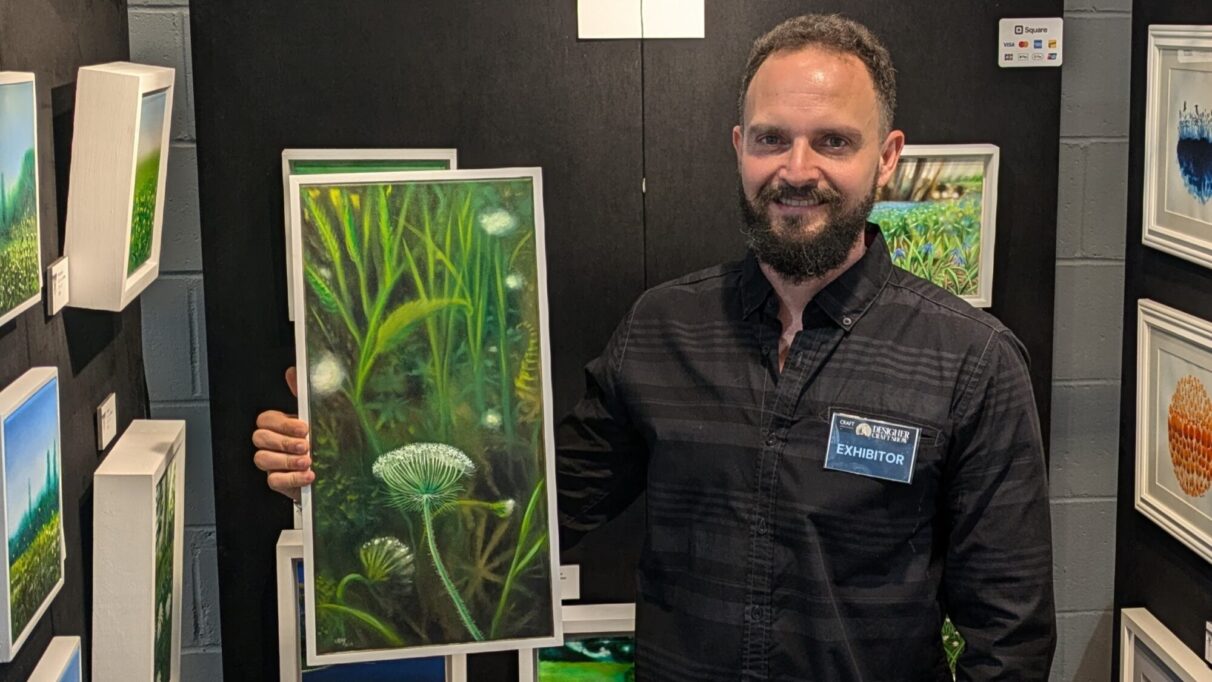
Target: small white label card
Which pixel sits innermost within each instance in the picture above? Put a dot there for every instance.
(570, 582)
(623, 19)
(1030, 42)
(57, 286)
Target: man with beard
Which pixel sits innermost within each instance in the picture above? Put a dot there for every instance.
(836, 453)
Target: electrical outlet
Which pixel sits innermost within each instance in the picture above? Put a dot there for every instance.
(57, 286)
(570, 582)
(107, 421)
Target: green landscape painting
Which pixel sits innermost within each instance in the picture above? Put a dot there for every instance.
(20, 261)
(589, 659)
(166, 516)
(421, 323)
(31, 501)
(931, 216)
(322, 166)
(147, 178)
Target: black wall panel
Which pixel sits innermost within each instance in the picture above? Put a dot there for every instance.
(1152, 568)
(96, 353)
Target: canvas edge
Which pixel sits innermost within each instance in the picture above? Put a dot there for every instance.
(1139, 623)
(14, 78)
(56, 658)
(134, 283)
(177, 457)
(289, 549)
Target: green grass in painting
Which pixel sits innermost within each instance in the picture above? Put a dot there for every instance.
(422, 323)
(34, 572)
(320, 166)
(143, 216)
(19, 260)
(563, 671)
(936, 240)
(166, 510)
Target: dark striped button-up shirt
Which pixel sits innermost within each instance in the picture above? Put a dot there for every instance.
(760, 564)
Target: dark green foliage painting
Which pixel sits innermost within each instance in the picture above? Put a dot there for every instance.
(589, 659)
(20, 265)
(147, 179)
(424, 387)
(166, 516)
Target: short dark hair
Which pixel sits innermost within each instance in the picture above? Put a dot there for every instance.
(831, 32)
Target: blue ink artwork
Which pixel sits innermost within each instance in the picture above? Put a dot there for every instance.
(1195, 150)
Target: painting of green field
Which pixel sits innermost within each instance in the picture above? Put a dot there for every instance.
(20, 262)
(930, 213)
(32, 505)
(147, 178)
(589, 659)
(321, 166)
(421, 327)
(166, 511)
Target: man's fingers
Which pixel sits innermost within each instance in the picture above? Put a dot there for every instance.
(289, 483)
(272, 440)
(292, 380)
(269, 461)
(273, 420)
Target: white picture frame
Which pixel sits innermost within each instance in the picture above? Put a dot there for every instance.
(1177, 200)
(19, 129)
(138, 536)
(289, 558)
(1169, 476)
(115, 204)
(371, 158)
(1150, 652)
(581, 619)
(63, 661)
(961, 157)
(298, 184)
(30, 451)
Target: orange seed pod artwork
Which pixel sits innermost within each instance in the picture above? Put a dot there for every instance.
(1190, 431)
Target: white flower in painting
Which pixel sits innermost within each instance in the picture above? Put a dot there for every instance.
(327, 375)
(497, 222)
(514, 282)
(491, 419)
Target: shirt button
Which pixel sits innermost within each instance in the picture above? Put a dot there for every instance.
(846, 321)
(771, 440)
(761, 525)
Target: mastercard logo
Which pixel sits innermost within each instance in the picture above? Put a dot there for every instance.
(1190, 431)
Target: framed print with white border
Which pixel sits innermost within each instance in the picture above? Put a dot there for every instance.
(599, 643)
(61, 662)
(1150, 652)
(1178, 143)
(20, 221)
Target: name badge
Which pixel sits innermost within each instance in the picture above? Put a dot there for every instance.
(871, 447)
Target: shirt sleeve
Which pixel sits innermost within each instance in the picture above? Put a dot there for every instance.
(997, 579)
(601, 457)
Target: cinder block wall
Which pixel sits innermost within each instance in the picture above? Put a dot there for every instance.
(1089, 306)
(174, 333)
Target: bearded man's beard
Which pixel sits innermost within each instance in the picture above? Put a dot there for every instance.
(786, 248)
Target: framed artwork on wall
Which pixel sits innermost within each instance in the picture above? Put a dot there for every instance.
(1178, 143)
(599, 644)
(139, 491)
(1150, 652)
(31, 480)
(115, 203)
(421, 346)
(317, 161)
(61, 662)
(1174, 423)
(20, 233)
(291, 633)
(939, 216)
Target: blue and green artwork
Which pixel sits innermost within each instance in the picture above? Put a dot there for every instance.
(589, 659)
(32, 508)
(20, 262)
(166, 523)
(147, 178)
(931, 215)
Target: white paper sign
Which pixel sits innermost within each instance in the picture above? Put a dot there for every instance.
(1030, 42)
(623, 19)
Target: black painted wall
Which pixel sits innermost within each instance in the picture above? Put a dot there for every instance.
(1152, 568)
(96, 353)
(508, 84)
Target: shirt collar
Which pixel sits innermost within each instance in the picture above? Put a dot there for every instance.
(846, 299)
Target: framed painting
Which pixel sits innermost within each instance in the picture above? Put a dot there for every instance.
(138, 545)
(291, 634)
(599, 644)
(115, 204)
(1174, 423)
(1150, 652)
(1178, 143)
(20, 235)
(939, 216)
(320, 161)
(61, 662)
(423, 363)
(31, 480)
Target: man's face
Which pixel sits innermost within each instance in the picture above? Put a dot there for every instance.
(810, 154)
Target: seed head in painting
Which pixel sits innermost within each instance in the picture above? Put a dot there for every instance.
(166, 513)
(20, 269)
(1190, 433)
(31, 498)
(147, 178)
(930, 213)
(424, 392)
(601, 659)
